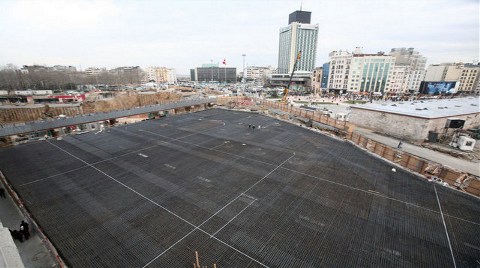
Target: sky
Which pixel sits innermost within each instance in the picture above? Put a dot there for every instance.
(185, 34)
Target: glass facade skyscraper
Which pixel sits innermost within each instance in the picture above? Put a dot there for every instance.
(294, 38)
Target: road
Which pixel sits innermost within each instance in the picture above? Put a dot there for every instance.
(434, 156)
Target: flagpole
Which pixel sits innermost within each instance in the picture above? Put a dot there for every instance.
(225, 66)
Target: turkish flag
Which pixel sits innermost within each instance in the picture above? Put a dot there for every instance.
(224, 62)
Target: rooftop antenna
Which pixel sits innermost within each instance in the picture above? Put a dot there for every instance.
(301, 6)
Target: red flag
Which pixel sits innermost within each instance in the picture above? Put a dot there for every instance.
(224, 62)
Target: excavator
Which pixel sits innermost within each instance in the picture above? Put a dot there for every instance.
(287, 88)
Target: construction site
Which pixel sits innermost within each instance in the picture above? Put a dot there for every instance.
(242, 190)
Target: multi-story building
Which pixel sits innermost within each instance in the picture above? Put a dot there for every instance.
(126, 69)
(171, 76)
(415, 62)
(150, 74)
(435, 72)
(444, 72)
(317, 80)
(469, 78)
(160, 75)
(65, 69)
(339, 70)
(466, 75)
(213, 73)
(94, 71)
(258, 73)
(370, 73)
(34, 68)
(129, 74)
(477, 88)
(301, 81)
(397, 82)
(358, 72)
(298, 36)
(413, 79)
(453, 72)
(325, 70)
(44, 68)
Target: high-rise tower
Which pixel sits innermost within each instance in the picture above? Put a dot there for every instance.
(299, 35)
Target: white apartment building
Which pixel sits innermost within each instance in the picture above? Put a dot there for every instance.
(161, 75)
(339, 69)
(150, 74)
(398, 79)
(171, 76)
(258, 73)
(413, 80)
(416, 63)
(94, 71)
(469, 78)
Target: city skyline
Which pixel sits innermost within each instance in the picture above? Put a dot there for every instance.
(185, 34)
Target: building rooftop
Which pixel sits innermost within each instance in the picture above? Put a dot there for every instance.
(431, 108)
(152, 193)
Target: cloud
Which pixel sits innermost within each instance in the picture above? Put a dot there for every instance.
(186, 33)
(51, 15)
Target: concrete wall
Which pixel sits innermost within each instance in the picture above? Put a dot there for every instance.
(471, 121)
(9, 256)
(453, 73)
(21, 114)
(414, 129)
(399, 126)
(435, 73)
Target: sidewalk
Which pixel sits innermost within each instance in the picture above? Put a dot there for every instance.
(434, 156)
(32, 251)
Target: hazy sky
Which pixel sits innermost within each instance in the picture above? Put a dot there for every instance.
(186, 33)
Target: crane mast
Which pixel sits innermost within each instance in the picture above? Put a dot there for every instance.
(285, 91)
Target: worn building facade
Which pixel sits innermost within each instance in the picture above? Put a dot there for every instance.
(412, 121)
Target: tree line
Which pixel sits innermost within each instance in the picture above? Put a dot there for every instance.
(12, 78)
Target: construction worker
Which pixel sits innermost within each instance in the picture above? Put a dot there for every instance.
(24, 230)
